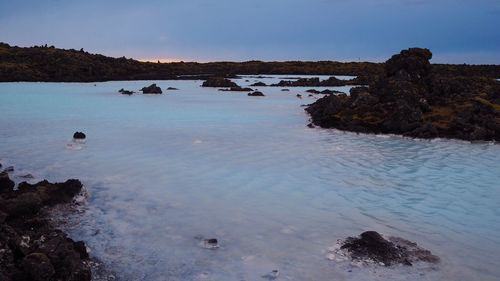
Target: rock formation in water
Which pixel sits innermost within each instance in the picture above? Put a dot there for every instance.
(30, 247)
(151, 89)
(219, 82)
(371, 247)
(79, 136)
(256, 94)
(125, 92)
(413, 100)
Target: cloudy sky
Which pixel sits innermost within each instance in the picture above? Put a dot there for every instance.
(457, 31)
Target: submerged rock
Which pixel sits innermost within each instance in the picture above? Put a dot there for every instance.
(151, 89)
(371, 247)
(172, 89)
(273, 275)
(299, 96)
(79, 136)
(211, 243)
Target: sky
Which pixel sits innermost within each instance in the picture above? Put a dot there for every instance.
(456, 31)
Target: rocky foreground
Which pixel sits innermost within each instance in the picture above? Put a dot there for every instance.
(31, 248)
(412, 99)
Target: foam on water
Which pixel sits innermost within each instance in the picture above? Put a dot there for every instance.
(161, 171)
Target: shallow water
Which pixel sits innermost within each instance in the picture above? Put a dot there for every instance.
(162, 171)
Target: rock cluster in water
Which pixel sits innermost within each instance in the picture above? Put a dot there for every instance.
(219, 82)
(256, 94)
(412, 100)
(151, 89)
(30, 248)
(371, 247)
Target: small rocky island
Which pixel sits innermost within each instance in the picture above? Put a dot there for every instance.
(412, 99)
(30, 247)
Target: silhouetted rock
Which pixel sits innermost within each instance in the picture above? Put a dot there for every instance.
(313, 91)
(256, 94)
(79, 136)
(172, 89)
(151, 89)
(259, 84)
(6, 184)
(125, 92)
(219, 82)
(237, 89)
(285, 90)
(299, 96)
(413, 100)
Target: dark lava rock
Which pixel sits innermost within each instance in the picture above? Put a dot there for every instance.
(30, 248)
(259, 84)
(79, 136)
(311, 125)
(285, 90)
(172, 89)
(151, 89)
(299, 96)
(313, 91)
(219, 82)
(316, 82)
(125, 92)
(256, 94)
(6, 184)
(38, 267)
(413, 100)
(370, 245)
(237, 89)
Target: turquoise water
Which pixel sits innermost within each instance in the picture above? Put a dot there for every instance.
(163, 170)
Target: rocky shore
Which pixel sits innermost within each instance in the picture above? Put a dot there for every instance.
(31, 248)
(412, 99)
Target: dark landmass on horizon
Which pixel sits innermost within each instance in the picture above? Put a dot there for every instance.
(50, 64)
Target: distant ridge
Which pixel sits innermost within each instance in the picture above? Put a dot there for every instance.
(50, 64)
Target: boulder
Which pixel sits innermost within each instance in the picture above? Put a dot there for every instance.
(151, 89)
(79, 136)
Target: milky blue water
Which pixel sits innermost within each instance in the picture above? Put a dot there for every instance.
(162, 171)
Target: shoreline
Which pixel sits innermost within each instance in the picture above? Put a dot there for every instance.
(31, 246)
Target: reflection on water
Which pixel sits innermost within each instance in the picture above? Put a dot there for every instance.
(165, 171)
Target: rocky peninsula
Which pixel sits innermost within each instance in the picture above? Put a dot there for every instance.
(31, 248)
(414, 99)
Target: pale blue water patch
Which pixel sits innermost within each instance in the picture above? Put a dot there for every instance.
(164, 169)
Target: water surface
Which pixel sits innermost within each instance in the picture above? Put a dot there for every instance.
(164, 170)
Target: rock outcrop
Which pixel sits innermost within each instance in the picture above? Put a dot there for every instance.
(219, 82)
(371, 247)
(151, 89)
(30, 247)
(414, 101)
